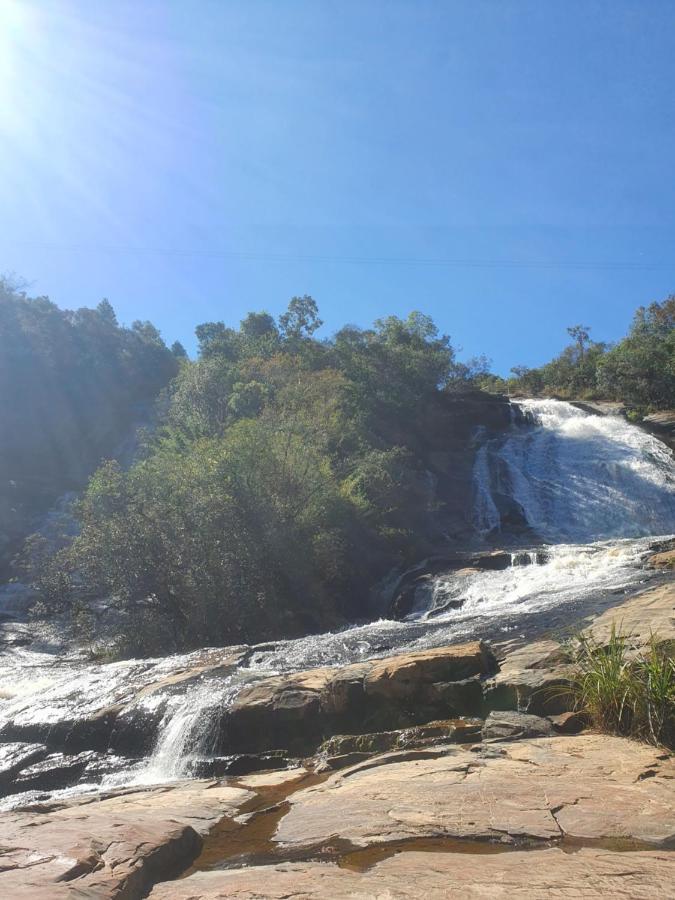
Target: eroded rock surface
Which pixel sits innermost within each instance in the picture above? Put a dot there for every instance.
(583, 787)
(530, 875)
(109, 848)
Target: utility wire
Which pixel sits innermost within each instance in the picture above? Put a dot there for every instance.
(449, 262)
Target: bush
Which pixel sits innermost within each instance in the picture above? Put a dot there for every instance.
(623, 694)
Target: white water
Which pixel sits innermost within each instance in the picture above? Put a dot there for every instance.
(576, 477)
(595, 490)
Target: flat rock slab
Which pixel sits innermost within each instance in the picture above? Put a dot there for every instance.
(647, 613)
(526, 875)
(109, 848)
(586, 787)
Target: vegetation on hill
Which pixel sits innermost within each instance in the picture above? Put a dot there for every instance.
(638, 371)
(285, 474)
(281, 482)
(71, 383)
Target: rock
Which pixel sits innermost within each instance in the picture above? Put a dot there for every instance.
(534, 678)
(448, 731)
(115, 705)
(16, 756)
(526, 875)
(588, 787)
(664, 560)
(54, 771)
(298, 711)
(649, 612)
(244, 764)
(512, 726)
(115, 847)
(662, 425)
(569, 722)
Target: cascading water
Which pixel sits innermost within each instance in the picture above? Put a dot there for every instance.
(592, 493)
(573, 476)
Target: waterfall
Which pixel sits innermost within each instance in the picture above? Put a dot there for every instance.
(189, 731)
(574, 476)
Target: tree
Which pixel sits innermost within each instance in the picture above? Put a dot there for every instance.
(107, 313)
(580, 334)
(178, 350)
(301, 319)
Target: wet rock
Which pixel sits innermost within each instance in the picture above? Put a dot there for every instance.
(533, 678)
(526, 875)
(513, 726)
(244, 764)
(589, 787)
(298, 711)
(17, 756)
(54, 771)
(115, 705)
(447, 731)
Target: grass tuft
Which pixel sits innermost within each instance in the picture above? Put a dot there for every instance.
(620, 693)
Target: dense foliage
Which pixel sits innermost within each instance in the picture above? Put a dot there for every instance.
(638, 371)
(71, 382)
(281, 483)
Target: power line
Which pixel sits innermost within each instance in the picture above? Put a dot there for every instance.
(441, 261)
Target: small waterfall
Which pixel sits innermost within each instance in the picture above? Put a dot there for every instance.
(573, 476)
(189, 731)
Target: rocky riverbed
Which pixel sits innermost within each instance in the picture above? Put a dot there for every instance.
(452, 771)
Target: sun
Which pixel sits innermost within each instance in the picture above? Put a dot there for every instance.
(17, 18)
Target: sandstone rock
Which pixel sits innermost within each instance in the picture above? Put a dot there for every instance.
(297, 711)
(569, 722)
(534, 678)
(448, 731)
(111, 848)
(649, 612)
(590, 787)
(531, 875)
(665, 560)
(511, 726)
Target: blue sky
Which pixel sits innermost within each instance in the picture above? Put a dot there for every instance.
(507, 166)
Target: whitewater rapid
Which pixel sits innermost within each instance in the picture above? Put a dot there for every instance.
(574, 477)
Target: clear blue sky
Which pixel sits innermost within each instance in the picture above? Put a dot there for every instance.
(507, 166)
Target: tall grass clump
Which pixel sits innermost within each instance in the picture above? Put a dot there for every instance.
(626, 694)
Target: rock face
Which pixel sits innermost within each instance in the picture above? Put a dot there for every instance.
(297, 711)
(530, 875)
